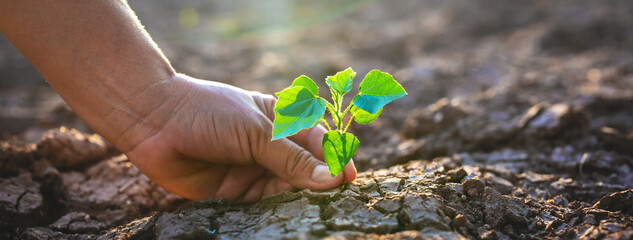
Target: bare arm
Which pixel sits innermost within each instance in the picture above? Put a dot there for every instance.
(99, 59)
(194, 138)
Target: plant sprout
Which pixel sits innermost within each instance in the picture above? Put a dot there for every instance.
(300, 107)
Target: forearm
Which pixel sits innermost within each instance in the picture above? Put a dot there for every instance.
(99, 59)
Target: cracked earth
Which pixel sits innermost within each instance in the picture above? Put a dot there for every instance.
(518, 125)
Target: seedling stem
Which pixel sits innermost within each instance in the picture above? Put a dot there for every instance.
(300, 107)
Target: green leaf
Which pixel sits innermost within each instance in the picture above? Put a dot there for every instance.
(297, 108)
(376, 90)
(341, 83)
(338, 149)
(363, 117)
(303, 81)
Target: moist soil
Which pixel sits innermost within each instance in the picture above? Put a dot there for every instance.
(518, 125)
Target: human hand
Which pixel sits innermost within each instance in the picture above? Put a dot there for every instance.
(194, 138)
(216, 143)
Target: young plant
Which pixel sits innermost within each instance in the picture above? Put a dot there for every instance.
(299, 107)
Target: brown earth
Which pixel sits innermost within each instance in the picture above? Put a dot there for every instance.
(518, 125)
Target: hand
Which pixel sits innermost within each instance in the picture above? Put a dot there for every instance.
(217, 144)
(194, 138)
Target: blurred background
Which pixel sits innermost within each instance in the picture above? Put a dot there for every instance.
(458, 50)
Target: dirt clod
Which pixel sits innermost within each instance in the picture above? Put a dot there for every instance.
(473, 187)
(456, 175)
(619, 201)
(20, 202)
(67, 148)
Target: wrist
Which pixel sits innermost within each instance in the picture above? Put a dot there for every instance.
(143, 113)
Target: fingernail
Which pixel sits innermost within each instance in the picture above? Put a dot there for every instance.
(321, 174)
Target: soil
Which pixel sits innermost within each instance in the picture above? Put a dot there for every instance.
(518, 125)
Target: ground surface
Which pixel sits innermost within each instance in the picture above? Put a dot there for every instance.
(518, 125)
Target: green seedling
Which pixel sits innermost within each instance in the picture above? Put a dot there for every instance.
(299, 107)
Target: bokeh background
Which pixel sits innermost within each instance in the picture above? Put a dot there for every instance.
(530, 99)
(459, 50)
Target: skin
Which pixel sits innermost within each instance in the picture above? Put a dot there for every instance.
(193, 137)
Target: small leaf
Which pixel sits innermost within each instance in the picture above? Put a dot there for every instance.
(297, 108)
(338, 149)
(376, 90)
(341, 83)
(303, 81)
(363, 117)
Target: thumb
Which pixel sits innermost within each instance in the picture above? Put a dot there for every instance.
(290, 161)
(311, 140)
(294, 164)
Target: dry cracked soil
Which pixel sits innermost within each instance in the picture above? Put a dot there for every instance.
(518, 125)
